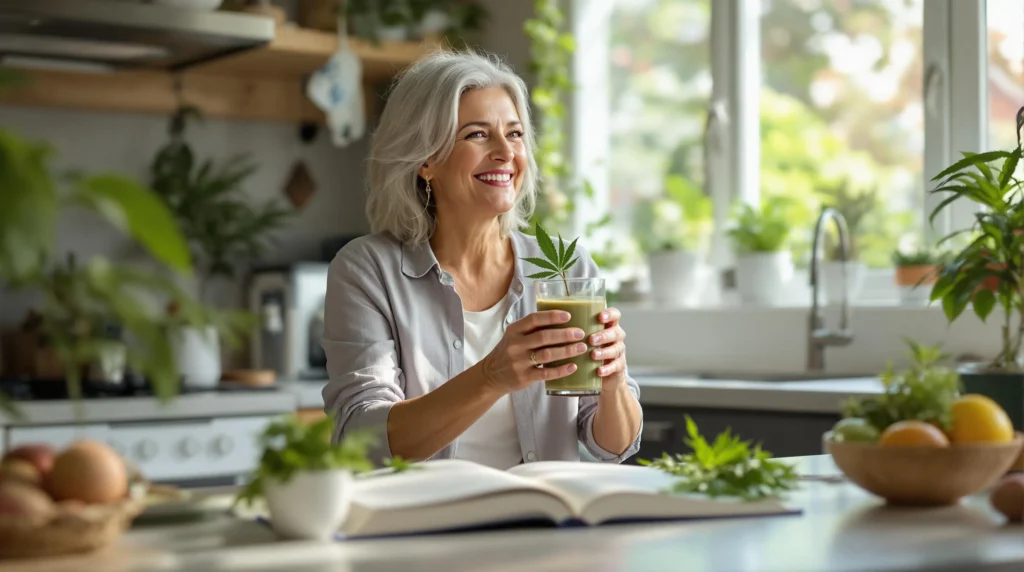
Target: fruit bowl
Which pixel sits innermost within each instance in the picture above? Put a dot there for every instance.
(924, 475)
(70, 529)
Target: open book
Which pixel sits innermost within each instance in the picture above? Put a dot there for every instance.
(453, 494)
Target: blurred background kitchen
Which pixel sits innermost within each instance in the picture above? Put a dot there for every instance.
(658, 120)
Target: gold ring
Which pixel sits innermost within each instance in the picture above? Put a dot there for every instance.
(533, 358)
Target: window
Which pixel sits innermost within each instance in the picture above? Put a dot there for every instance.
(852, 103)
(1005, 19)
(659, 81)
(842, 122)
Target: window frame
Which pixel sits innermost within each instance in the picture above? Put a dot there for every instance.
(956, 119)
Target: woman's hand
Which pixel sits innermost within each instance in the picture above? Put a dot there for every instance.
(611, 349)
(529, 343)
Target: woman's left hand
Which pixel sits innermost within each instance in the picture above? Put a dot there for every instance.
(610, 348)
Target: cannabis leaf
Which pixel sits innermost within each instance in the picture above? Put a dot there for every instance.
(726, 467)
(558, 260)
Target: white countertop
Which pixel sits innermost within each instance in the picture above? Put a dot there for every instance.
(842, 528)
(191, 405)
(817, 396)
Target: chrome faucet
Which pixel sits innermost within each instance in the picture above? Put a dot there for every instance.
(818, 338)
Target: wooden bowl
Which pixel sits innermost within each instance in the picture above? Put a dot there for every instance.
(924, 476)
(67, 531)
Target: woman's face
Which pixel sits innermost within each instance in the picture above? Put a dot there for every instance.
(483, 174)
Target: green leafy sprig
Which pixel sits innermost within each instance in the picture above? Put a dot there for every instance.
(290, 446)
(558, 260)
(726, 467)
(924, 392)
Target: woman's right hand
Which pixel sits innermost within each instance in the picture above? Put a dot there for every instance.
(509, 367)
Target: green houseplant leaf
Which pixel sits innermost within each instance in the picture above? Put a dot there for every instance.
(989, 271)
(136, 210)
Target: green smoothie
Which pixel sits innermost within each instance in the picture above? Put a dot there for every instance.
(584, 311)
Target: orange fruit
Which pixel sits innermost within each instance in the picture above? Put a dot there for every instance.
(913, 434)
(978, 419)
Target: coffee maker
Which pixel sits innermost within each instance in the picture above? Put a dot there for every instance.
(290, 302)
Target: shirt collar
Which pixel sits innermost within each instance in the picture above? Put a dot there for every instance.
(419, 259)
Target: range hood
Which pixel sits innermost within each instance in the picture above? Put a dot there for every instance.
(124, 34)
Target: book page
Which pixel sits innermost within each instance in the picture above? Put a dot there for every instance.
(598, 492)
(445, 494)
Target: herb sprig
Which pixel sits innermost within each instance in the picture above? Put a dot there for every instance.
(557, 261)
(290, 446)
(726, 467)
(924, 392)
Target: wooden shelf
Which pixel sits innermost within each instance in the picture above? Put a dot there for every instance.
(264, 84)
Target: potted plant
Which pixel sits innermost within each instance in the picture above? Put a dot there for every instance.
(673, 230)
(988, 273)
(855, 207)
(764, 266)
(83, 298)
(914, 269)
(304, 478)
(224, 232)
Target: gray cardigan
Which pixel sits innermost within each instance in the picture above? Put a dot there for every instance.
(393, 329)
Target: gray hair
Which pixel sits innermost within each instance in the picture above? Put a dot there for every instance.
(420, 123)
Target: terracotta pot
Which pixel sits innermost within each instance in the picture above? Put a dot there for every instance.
(918, 274)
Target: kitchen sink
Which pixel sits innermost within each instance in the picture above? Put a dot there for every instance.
(650, 372)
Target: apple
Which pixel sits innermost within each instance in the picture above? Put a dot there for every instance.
(40, 455)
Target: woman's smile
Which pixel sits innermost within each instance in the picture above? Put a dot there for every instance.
(496, 177)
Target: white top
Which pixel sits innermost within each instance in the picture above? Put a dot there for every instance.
(494, 439)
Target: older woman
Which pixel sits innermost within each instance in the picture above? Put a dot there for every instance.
(431, 331)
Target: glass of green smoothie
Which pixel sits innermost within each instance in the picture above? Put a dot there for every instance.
(583, 299)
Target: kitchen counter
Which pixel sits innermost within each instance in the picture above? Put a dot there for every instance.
(191, 405)
(815, 396)
(842, 528)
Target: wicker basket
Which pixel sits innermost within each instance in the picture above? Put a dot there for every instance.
(82, 529)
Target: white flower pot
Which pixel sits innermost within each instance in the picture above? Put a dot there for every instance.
(762, 277)
(197, 356)
(832, 280)
(673, 276)
(393, 33)
(433, 22)
(312, 505)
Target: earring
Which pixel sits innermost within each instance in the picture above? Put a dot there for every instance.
(426, 204)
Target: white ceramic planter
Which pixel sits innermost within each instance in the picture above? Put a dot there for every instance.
(832, 280)
(393, 33)
(762, 277)
(673, 277)
(197, 356)
(312, 505)
(433, 22)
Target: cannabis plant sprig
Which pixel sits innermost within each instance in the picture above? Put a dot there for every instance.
(559, 260)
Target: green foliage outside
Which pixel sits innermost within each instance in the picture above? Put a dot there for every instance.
(849, 153)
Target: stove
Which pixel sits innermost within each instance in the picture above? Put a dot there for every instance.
(201, 438)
